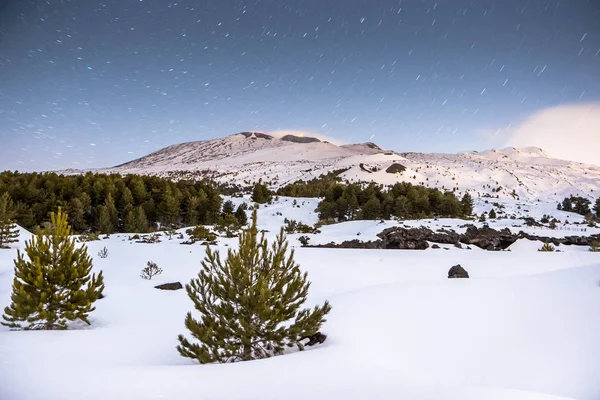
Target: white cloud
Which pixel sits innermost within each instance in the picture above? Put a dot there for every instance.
(569, 132)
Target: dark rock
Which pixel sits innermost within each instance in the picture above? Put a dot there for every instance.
(256, 135)
(372, 145)
(435, 246)
(351, 244)
(314, 339)
(170, 286)
(299, 139)
(457, 272)
(485, 238)
(488, 238)
(395, 168)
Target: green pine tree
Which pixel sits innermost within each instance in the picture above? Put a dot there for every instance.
(130, 223)
(191, 211)
(55, 284)
(228, 208)
(113, 216)
(261, 193)
(141, 222)
(492, 214)
(77, 214)
(250, 304)
(240, 214)
(466, 204)
(103, 222)
(597, 208)
(9, 233)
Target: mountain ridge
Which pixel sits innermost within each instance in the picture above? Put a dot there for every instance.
(244, 158)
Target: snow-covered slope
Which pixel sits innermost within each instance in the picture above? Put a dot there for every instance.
(528, 174)
(524, 326)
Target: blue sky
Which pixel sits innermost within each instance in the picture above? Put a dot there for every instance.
(93, 84)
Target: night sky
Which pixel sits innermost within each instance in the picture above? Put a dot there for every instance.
(96, 83)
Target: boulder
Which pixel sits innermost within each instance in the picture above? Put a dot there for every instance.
(170, 286)
(457, 272)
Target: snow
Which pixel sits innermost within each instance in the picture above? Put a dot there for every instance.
(524, 326)
(533, 174)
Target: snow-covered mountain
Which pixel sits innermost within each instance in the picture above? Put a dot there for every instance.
(527, 173)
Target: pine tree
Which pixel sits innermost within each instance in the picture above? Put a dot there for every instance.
(372, 208)
(77, 214)
(141, 222)
(597, 208)
(492, 214)
(261, 193)
(250, 304)
(240, 214)
(130, 223)
(103, 222)
(9, 233)
(169, 209)
(191, 213)
(466, 204)
(113, 216)
(228, 208)
(55, 285)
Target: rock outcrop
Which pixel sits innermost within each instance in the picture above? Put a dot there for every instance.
(486, 238)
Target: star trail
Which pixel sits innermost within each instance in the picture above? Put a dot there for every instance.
(92, 84)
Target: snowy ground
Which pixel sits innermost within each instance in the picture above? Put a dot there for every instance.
(525, 326)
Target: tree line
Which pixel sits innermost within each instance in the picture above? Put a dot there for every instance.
(581, 206)
(110, 203)
(352, 201)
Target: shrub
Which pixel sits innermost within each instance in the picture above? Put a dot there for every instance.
(304, 240)
(547, 247)
(89, 237)
(201, 233)
(595, 247)
(103, 253)
(150, 270)
(293, 226)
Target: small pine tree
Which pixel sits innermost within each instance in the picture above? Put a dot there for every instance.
(492, 214)
(55, 285)
(250, 304)
(547, 247)
(240, 214)
(597, 208)
(8, 229)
